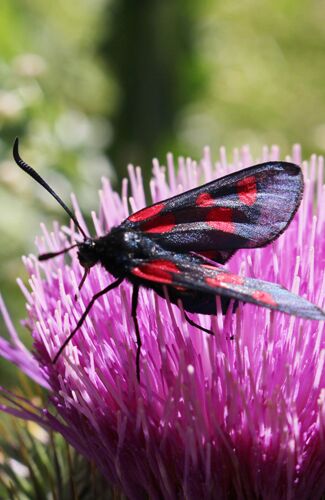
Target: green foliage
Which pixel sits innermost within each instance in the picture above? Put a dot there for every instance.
(53, 95)
(151, 48)
(36, 463)
(266, 74)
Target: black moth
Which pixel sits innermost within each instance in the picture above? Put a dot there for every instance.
(170, 245)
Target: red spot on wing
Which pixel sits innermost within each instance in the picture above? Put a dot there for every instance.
(204, 200)
(220, 218)
(146, 213)
(161, 224)
(222, 279)
(246, 190)
(264, 297)
(159, 271)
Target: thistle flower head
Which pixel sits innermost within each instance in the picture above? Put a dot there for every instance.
(238, 415)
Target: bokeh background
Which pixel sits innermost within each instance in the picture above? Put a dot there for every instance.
(91, 85)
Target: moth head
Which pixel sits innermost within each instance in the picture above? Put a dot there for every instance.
(87, 253)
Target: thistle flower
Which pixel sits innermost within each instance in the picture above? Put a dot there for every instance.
(212, 417)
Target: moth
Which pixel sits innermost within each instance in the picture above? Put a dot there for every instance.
(180, 244)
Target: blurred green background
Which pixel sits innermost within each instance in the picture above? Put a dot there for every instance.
(91, 85)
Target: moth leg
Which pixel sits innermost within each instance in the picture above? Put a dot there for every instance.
(135, 296)
(85, 313)
(191, 322)
(83, 279)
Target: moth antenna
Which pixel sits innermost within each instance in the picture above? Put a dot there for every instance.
(50, 255)
(30, 171)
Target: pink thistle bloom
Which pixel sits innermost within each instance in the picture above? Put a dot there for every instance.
(212, 417)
